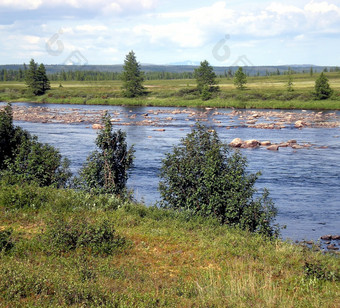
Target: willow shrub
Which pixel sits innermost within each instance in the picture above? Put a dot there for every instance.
(203, 177)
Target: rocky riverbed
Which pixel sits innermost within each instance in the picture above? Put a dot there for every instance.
(268, 119)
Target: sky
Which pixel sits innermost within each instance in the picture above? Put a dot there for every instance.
(225, 33)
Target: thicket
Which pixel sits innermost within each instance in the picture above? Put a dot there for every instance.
(24, 159)
(203, 177)
(106, 169)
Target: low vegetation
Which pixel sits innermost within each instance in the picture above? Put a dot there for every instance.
(75, 250)
(269, 92)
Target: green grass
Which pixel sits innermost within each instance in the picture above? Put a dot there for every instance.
(261, 92)
(169, 261)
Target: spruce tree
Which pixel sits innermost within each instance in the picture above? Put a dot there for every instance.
(43, 82)
(240, 78)
(205, 78)
(36, 79)
(132, 77)
(322, 88)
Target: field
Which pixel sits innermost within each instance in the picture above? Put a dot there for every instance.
(162, 259)
(261, 92)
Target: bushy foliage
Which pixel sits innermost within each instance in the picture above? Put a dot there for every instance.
(23, 157)
(132, 77)
(6, 242)
(106, 169)
(202, 177)
(99, 236)
(206, 80)
(322, 88)
(240, 79)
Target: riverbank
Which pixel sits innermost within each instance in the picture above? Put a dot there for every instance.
(261, 93)
(164, 259)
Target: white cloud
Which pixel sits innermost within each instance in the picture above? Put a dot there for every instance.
(91, 28)
(95, 5)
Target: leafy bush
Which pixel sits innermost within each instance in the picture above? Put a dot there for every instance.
(202, 177)
(22, 196)
(99, 237)
(25, 159)
(106, 170)
(6, 242)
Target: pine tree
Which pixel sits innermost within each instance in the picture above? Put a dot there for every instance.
(240, 79)
(43, 82)
(322, 88)
(132, 77)
(31, 77)
(36, 78)
(205, 77)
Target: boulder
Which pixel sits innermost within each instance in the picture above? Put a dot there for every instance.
(326, 237)
(265, 143)
(97, 126)
(336, 237)
(273, 147)
(300, 124)
(297, 146)
(236, 143)
(250, 143)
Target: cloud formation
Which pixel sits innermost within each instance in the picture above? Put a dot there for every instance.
(159, 30)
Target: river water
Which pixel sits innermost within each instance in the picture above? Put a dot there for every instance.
(304, 184)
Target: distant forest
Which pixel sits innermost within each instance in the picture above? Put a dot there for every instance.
(152, 72)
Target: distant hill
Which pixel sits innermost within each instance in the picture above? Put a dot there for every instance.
(178, 68)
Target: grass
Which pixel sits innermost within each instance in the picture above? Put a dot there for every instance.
(261, 92)
(165, 260)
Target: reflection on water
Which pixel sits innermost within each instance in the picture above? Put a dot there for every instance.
(304, 183)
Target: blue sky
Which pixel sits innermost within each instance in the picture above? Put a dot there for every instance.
(170, 31)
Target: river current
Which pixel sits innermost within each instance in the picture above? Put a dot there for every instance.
(304, 184)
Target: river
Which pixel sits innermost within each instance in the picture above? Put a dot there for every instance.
(304, 184)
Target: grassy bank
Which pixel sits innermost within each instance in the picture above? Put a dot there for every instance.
(158, 259)
(261, 92)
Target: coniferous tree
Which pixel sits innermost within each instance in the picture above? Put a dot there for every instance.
(206, 79)
(132, 77)
(36, 78)
(322, 88)
(240, 78)
(43, 82)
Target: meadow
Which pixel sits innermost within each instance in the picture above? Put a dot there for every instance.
(263, 92)
(54, 254)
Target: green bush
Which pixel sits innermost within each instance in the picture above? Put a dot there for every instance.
(98, 237)
(25, 159)
(22, 196)
(106, 170)
(202, 177)
(6, 242)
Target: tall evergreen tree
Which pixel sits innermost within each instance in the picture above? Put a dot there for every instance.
(322, 88)
(43, 82)
(206, 80)
(36, 78)
(132, 77)
(240, 78)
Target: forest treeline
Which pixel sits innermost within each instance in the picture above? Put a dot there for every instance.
(18, 73)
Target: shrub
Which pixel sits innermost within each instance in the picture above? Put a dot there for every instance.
(6, 242)
(99, 237)
(23, 157)
(202, 177)
(106, 170)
